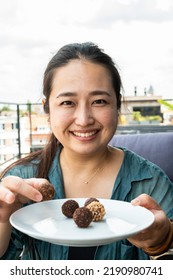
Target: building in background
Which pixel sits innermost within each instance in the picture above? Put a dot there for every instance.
(20, 136)
(142, 108)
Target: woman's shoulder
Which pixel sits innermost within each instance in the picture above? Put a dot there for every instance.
(144, 167)
(23, 170)
(137, 165)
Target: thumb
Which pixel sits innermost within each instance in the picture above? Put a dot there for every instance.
(146, 201)
(36, 183)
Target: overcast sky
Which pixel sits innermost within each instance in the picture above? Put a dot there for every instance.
(136, 33)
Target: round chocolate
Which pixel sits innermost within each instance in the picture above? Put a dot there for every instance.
(97, 209)
(82, 217)
(47, 190)
(89, 200)
(69, 207)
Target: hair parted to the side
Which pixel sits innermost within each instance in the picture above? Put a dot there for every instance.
(83, 51)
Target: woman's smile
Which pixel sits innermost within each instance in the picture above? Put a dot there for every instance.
(85, 135)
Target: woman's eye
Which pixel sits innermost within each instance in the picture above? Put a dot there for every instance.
(100, 102)
(67, 103)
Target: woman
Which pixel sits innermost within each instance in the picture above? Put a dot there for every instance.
(82, 99)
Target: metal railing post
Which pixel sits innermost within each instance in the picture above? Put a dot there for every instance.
(30, 125)
(18, 126)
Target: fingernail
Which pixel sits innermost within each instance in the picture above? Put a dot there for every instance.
(8, 198)
(38, 197)
(135, 201)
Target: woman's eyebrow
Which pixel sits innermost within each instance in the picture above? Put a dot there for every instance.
(92, 93)
(64, 94)
(100, 92)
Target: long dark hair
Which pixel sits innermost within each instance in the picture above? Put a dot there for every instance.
(88, 51)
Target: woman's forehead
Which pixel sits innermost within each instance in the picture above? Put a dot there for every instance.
(81, 71)
(79, 77)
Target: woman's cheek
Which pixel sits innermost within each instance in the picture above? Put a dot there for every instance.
(109, 117)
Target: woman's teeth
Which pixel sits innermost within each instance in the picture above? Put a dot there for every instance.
(84, 134)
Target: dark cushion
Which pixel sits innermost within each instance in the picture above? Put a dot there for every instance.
(156, 147)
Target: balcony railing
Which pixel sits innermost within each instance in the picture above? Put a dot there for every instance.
(18, 125)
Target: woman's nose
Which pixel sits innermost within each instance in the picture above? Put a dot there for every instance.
(84, 116)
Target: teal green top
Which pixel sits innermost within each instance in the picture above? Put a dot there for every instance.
(136, 176)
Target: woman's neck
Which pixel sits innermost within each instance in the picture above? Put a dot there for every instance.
(91, 176)
(89, 162)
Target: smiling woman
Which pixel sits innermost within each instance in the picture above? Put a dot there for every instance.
(82, 97)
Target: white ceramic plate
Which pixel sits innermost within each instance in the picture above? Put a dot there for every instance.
(45, 221)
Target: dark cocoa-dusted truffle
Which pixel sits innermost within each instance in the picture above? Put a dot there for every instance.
(69, 207)
(82, 217)
(47, 190)
(89, 200)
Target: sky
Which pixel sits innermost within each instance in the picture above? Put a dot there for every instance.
(137, 34)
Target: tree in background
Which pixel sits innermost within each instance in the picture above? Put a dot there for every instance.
(169, 106)
(166, 104)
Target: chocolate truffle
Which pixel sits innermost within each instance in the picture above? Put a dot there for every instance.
(82, 217)
(89, 200)
(47, 190)
(69, 207)
(97, 209)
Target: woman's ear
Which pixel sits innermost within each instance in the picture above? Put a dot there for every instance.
(45, 105)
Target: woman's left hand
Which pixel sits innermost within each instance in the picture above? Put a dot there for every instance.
(157, 232)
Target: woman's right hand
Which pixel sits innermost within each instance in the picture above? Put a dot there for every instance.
(15, 191)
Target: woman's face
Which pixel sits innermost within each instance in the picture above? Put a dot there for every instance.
(83, 107)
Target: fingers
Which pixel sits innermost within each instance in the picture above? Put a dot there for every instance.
(157, 231)
(146, 201)
(12, 186)
(6, 195)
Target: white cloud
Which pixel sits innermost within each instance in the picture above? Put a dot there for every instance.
(137, 33)
(165, 5)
